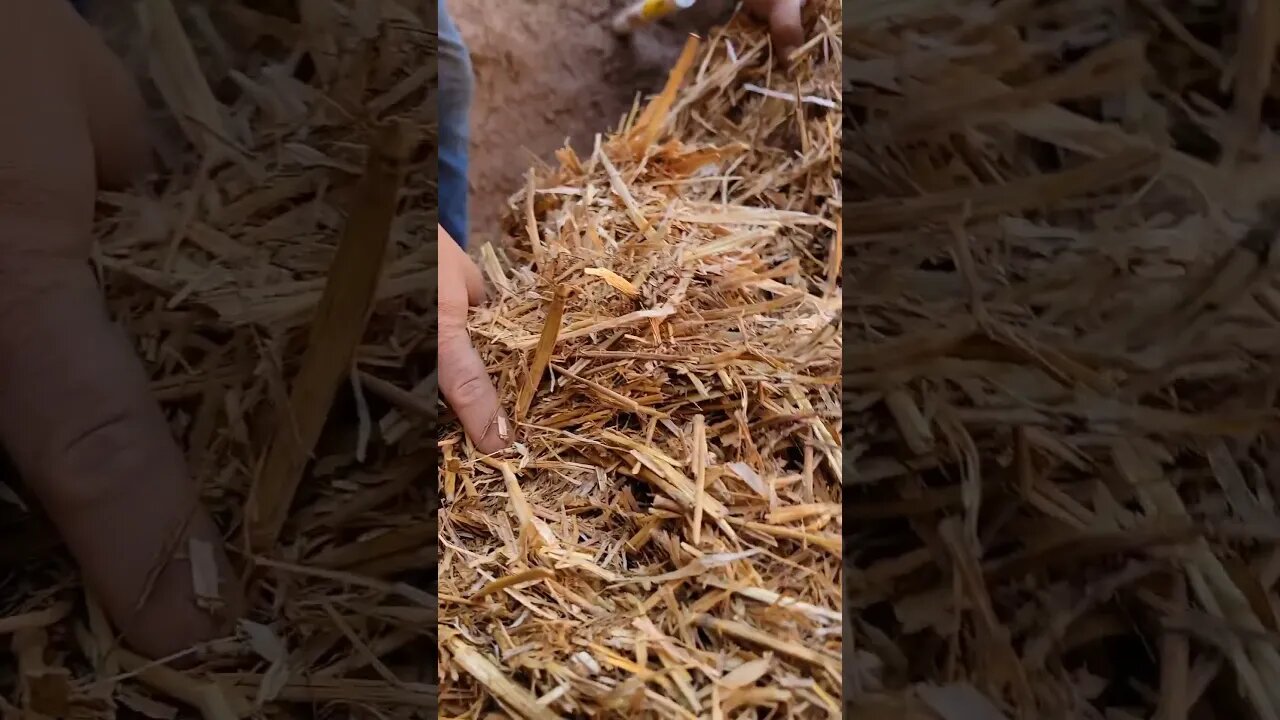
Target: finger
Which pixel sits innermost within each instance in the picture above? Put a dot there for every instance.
(785, 25)
(75, 412)
(465, 384)
(113, 105)
(454, 259)
(78, 421)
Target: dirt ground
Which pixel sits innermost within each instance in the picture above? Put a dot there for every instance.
(548, 72)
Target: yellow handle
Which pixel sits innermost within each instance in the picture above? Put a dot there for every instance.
(654, 9)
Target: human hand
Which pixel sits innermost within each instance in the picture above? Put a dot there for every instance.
(76, 415)
(783, 17)
(464, 380)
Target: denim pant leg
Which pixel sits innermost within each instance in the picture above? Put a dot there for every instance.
(455, 108)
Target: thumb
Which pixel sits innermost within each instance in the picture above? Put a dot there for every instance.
(114, 108)
(785, 25)
(465, 384)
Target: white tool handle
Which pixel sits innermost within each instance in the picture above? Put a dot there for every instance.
(643, 12)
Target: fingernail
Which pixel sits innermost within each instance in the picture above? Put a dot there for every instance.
(501, 431)
(497, 437)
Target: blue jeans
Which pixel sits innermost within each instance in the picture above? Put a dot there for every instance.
(455, 109)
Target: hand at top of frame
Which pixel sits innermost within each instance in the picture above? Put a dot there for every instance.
(783, 17)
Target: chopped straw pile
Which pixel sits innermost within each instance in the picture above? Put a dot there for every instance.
(663, 540)
(221, 271)
(1060, 379)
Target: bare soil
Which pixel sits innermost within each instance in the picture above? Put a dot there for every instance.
(548, 73)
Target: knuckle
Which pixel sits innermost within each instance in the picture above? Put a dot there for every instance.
(452, 316)
(468, 389)
(85, 461)
(28, 193)
(453, 340)
(42, 218)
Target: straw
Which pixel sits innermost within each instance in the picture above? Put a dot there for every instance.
(1059, 371)
(663, 540)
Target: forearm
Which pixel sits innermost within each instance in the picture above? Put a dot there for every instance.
(82, 429)
(454, 98)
